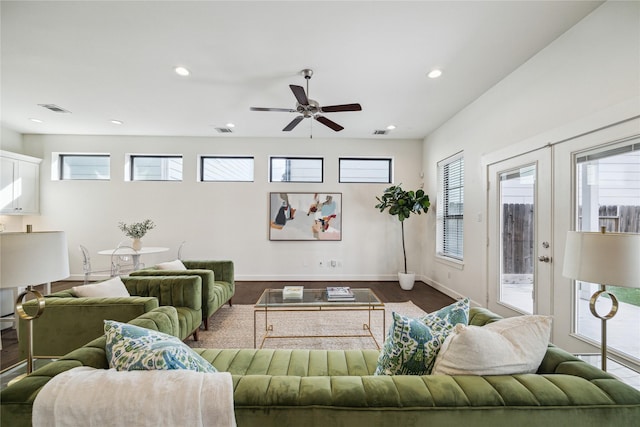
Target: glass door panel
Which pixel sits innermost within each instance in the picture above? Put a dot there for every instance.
(517, 210)
(608, 195)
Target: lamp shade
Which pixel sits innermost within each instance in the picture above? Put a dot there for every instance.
(33, 258)
(603, 258)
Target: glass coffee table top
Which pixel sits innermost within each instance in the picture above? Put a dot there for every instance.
(18, 369)
(318, 298)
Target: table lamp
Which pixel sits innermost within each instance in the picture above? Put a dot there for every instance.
(29, 259)
(605, 259)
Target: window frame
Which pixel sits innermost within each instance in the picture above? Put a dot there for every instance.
(271, 158)
(58, 169)
(442, 209)
(389, 161)
(131, 166)
(203, 158)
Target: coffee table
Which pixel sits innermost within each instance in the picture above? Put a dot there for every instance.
(271, 302)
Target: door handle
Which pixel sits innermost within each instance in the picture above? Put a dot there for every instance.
(544, 258)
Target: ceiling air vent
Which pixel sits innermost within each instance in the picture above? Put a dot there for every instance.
(224, 130)
(54, 108)
(380, 132)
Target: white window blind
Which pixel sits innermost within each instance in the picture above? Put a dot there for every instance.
(84, 166)
(218, 168)
(296, 169)
(361, 170)
(156, 168)
(450, 207)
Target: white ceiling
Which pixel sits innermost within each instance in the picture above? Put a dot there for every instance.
(106, 60)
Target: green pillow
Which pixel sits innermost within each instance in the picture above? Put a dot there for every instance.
(412, 345)
(132, 348)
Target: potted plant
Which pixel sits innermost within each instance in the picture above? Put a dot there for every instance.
(137, 231)
(404, 203)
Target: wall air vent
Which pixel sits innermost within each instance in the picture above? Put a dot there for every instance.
(224, 130)
(54, 108)
(380, 132)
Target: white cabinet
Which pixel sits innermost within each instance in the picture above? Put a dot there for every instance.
(19, 184)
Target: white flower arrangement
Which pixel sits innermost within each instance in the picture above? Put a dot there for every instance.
(137, 230)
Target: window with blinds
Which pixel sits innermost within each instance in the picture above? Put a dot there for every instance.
(155, 168)
(226, 168)
(364, 170)
(84, 166)
(296, 169)
(450, 207)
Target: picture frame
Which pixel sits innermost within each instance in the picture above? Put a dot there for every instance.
(305, 216)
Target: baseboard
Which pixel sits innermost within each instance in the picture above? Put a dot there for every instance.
(448, 291)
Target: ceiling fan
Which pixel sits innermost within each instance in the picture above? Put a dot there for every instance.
(310, 108)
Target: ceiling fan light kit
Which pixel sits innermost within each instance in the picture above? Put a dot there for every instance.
(310, 108)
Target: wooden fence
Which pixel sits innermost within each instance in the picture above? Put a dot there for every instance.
(518, 241)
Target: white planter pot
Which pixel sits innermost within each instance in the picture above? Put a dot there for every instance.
(407, 280)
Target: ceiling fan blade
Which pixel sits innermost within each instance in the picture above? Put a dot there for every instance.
(343, 107)
(293, 123)
(283, 110)
(333, 125)
(298, 92)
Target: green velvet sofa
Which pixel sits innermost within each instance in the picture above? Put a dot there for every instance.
(218, 284)
(69, 322)
(337, 388)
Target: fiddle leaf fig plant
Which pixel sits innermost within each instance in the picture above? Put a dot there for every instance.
(403, 204)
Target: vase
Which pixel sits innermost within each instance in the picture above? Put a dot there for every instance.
(407, 280)
(136, 244)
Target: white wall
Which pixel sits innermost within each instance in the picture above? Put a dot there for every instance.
(589, 77)
(229, 220)
(10, 140)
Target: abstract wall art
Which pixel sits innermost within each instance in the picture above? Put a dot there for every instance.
(305, 216)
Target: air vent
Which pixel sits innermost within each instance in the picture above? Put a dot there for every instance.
(54, 108)
(224, 130)
(380, 132)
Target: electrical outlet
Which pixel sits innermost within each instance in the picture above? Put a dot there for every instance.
(333, 263)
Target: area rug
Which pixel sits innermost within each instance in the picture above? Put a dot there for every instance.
(232, 327)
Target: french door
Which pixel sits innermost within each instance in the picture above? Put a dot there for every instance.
(519, 234)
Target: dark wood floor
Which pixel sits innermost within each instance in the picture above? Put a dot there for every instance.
(421, 295)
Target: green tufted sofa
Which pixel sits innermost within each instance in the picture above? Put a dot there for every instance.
(69, 322)
(334, 387)
(218, 283)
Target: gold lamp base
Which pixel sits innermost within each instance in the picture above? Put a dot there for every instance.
(603, 319)
(29, 318)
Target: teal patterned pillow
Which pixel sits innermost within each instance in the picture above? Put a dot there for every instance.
(458, 312)
(412, 345)
(132, 348)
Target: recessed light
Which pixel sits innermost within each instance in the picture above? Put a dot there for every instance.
(391, 127)
(116, 122)
(230, 125)
(181, 71)
(434, 74)
(35, 120)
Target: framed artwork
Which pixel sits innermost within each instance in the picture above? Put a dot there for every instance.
(305, 216)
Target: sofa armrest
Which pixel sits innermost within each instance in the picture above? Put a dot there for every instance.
(69, 323)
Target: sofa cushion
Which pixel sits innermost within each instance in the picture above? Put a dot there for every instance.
(129, 348)
(510, 346)
(107, 289)
(411, 345)
(171, 265)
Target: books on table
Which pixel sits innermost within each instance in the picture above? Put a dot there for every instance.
(340, 293)
(292, 292)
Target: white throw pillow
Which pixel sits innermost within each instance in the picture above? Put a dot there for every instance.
(109, 288)
(171, 265)
(515, 345)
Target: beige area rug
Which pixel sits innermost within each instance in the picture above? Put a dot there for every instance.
(232, 327)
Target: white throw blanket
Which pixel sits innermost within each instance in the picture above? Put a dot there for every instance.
(86, 396)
